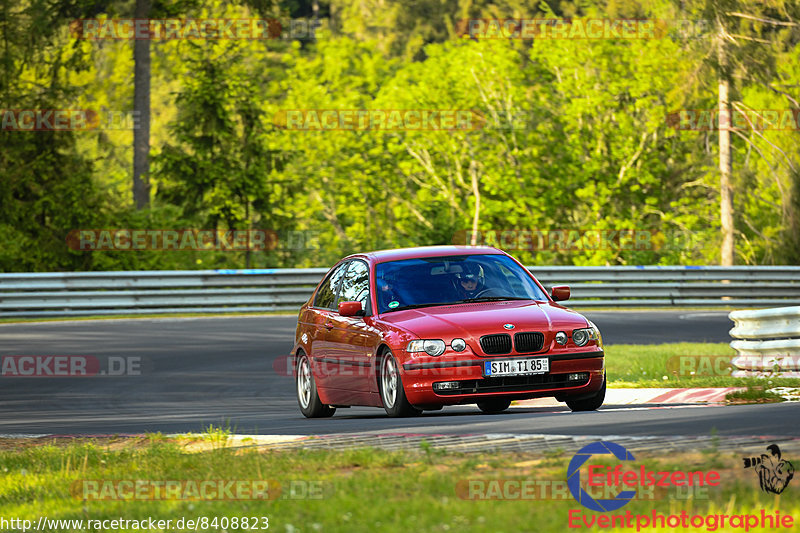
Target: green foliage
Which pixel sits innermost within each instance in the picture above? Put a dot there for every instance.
(574, 134)
(46, 186)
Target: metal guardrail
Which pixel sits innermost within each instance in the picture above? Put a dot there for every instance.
(767, 342)
(262, 290)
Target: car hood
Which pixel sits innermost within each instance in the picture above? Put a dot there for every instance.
(473, 320)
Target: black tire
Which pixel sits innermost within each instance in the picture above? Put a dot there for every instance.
(494, 405)
(592, 403)
(307, 396)
(390, 386)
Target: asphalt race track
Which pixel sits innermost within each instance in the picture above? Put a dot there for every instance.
(202, 371)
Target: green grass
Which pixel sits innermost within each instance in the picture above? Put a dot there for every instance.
(754, 395)
(670, 365)
(359, 490)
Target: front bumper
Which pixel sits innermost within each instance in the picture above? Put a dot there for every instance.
(418, 380)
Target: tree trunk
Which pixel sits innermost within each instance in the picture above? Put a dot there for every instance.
(476, 193)
(249, 233)
(792, 231)
(141, 108)
(725, 189)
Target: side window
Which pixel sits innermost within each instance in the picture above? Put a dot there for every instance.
(355, 284)
(327, 291)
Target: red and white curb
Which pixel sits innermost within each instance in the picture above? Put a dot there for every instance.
(662, 396)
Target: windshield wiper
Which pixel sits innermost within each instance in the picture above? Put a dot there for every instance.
(467, 300)
(417, 306)
(490, 299)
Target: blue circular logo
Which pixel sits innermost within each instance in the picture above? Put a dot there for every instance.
(603, 447)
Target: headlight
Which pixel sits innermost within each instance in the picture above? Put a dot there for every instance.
(599, 337)
(430, 347)
(581, 336)
(561, 338)
(458, 345)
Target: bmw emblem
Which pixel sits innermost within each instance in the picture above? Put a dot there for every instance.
(508, 326)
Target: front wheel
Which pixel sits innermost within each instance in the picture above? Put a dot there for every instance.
(307, 396)
(392, 392)
(591, 403)
(494, 406)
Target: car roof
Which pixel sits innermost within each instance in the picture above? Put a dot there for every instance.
(398, 254)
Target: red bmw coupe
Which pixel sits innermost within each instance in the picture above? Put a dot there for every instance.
(419, 328)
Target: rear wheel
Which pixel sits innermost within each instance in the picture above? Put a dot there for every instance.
(497, 405)
(307, 396)
(589, 404)
(391, 387)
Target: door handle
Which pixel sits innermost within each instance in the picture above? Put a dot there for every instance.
(329, 325)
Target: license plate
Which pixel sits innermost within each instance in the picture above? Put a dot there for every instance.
(516, 367)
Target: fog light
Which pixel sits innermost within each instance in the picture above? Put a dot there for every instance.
(581, 376)
(459, 345)
(561, 338)
(445, 385)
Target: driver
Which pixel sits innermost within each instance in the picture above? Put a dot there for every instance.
(386, 293)
(470, 281)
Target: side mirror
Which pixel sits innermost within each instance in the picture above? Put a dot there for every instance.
(559, 293)
(350, 309)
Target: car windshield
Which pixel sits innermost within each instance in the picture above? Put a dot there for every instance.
(431, 281)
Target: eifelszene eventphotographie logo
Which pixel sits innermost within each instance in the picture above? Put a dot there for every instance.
(632, 477)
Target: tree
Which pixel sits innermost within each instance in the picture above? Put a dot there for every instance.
(46, 184)
(141, 106)
(742, 53)
(727, 249)
(218, 165)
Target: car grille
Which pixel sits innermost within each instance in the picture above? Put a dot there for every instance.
(528, 342)
(512, 384)
(496, 344)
